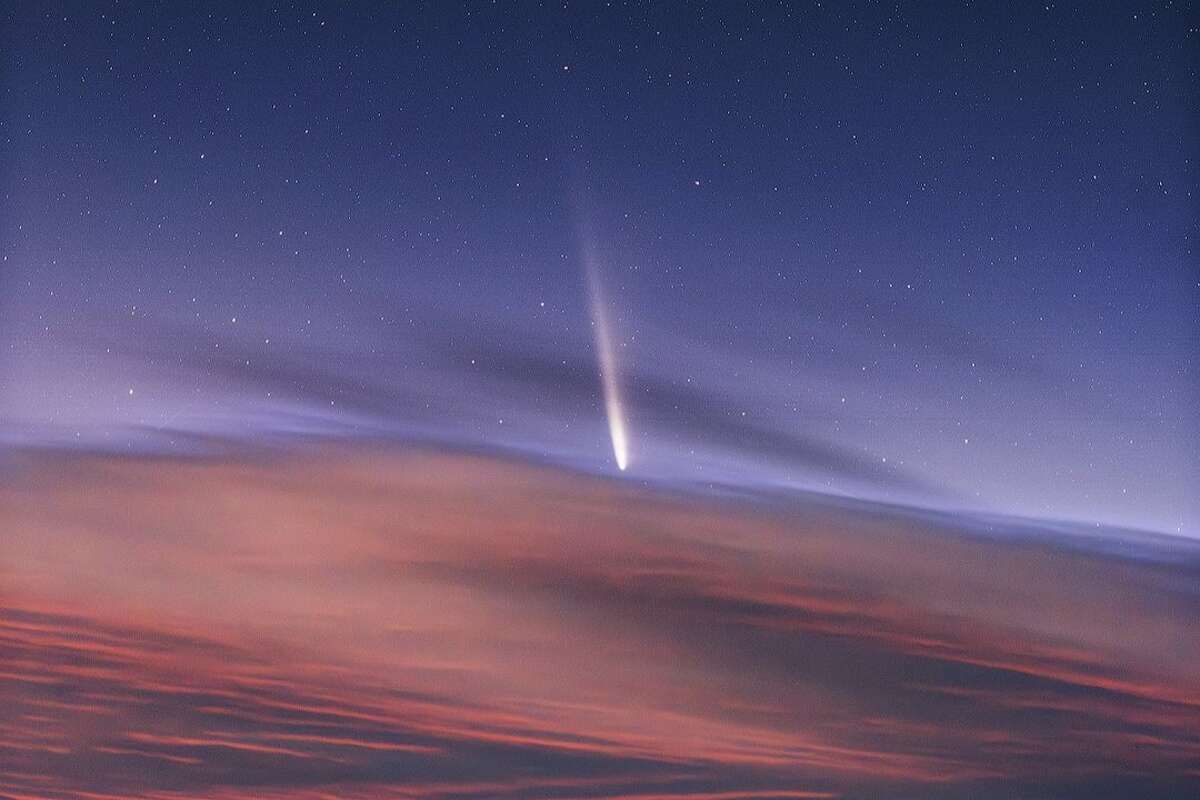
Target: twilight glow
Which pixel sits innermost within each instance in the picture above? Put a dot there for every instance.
(322, 327)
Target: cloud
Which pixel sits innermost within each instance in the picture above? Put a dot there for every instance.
(469, 369)
(383, 624)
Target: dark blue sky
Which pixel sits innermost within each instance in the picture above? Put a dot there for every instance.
(937, 254)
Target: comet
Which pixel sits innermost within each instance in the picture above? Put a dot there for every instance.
(607, 358)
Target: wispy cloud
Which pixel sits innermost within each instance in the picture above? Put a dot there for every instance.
(448, 375)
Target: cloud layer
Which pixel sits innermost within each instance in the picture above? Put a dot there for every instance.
(384, 624)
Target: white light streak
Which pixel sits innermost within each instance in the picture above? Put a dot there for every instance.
(607, 358)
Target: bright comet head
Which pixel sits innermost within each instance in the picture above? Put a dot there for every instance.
(616, 430)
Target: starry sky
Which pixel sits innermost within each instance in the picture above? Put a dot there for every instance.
(941, 256)
(641, 401)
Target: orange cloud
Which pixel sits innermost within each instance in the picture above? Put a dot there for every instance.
(385, 625)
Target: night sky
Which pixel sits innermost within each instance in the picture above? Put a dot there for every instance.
(942, 254)
(890, 266)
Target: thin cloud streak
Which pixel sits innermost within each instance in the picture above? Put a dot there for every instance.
(515, 377)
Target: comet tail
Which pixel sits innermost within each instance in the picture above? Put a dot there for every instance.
(613, 408)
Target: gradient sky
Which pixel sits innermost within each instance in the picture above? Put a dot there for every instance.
(942, 255)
